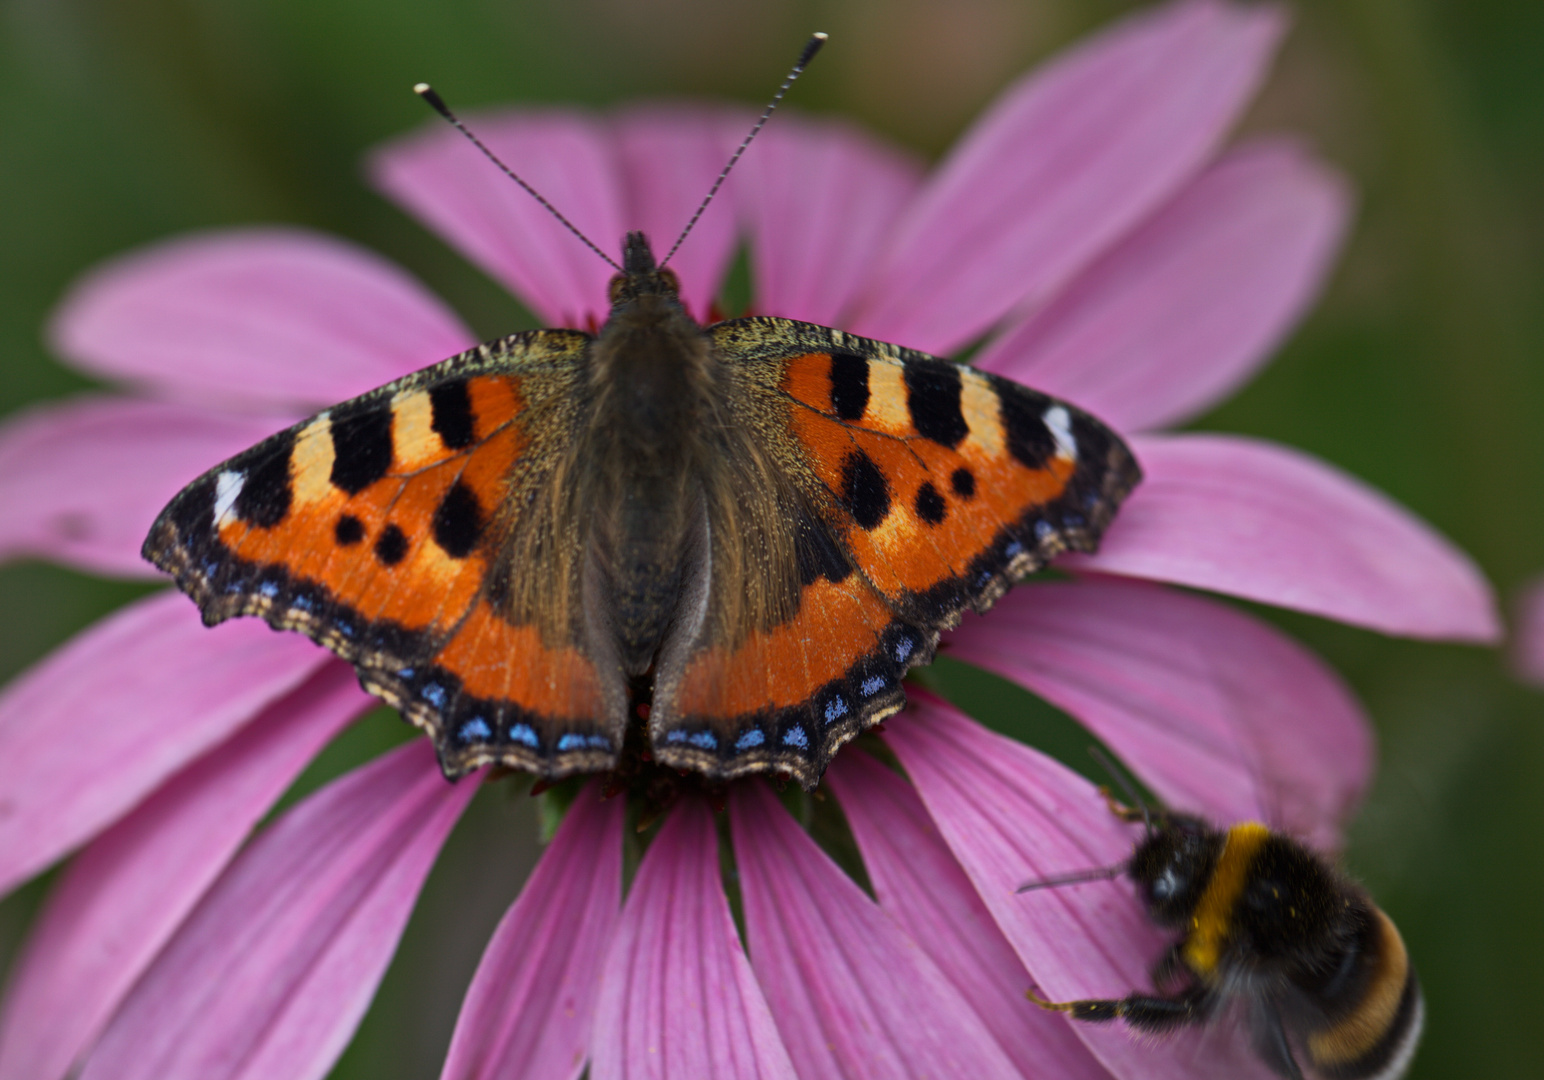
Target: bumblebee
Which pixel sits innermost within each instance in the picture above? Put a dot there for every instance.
(1321, 971)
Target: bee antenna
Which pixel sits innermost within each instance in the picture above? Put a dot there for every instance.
(1077, 877)
(1127, 788)
(811, 47)
(425, 91)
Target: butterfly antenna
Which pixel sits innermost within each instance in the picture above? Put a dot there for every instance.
(1078, 877)
(1107, 763)
(425, 91)
(811, 47)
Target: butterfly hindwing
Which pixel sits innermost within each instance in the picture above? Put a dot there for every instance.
(376, 527)
(925, 489)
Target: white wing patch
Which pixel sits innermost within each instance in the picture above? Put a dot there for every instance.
(227, 489)
(1060, 422)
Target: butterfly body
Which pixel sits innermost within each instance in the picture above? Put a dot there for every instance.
(763, 523)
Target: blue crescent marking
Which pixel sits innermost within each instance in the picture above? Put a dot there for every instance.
(475, 728)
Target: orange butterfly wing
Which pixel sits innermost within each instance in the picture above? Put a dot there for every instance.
(373, 528)
(929, 487)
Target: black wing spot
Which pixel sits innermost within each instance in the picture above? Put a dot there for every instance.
(864, 490)
(933, 397)
(1029, 440)
(458, 523)
(349, 530)
(963, 481)
(819, 556)
(849, 385)
(266, 491)
(361, 446)
(930, 505)
(451, 405)
(391, 546)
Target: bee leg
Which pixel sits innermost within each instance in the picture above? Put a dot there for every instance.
(1145, 1012)
(1120, 809)
(1170, 970)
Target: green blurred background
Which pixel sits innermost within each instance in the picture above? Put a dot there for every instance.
(125, 121)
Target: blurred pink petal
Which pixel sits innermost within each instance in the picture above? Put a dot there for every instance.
(1269, 523)
(670, 157)
(852, 994)
(1012, 815)
(566, 155)
(1528, 634)
(109, 716)
(819, 198)
(82, 480)
(276, 316)
(1065, 163)
(1191, 304)
(917, 880)
(271, 973)
(120, 900)
(530, 1009)
(1217, 712)
(678, 998)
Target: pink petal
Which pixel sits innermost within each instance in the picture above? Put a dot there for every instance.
(124, 896)
(820, 199)
(853, 995)
(1012, 815)
(82, 481)
(1187, 307)
(1216, 711)
(917, 881)
(271, 974)
(670, 157)
(279, 316)
(1528, 634)
(566, 155)
(99, 724)
(1067, 161)
(531, 1005)
(678, 997)
(1272, 524)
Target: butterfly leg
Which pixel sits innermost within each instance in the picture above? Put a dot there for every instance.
(1145, 1012)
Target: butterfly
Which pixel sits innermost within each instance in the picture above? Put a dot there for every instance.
(721, 546)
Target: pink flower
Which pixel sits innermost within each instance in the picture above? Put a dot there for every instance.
(1528, 633)
(1094, 231)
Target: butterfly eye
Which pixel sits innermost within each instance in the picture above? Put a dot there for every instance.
(670, 279)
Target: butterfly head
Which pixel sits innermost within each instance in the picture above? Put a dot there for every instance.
(641, 276)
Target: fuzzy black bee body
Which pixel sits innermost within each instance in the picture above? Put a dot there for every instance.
(1322, 972)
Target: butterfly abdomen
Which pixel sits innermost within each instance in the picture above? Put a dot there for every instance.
(645, 453)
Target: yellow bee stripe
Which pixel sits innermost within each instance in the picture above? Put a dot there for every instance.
(1213, 915)
(1373, 1018)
